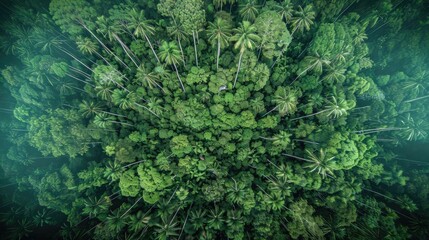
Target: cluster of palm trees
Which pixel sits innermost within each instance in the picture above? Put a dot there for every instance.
(220, 34)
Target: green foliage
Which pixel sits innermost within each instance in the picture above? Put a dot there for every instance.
(275, 37)
(297, 119)
(153, 183)
(59, 132)
(129, 183)
(180, 145)
(68, 13)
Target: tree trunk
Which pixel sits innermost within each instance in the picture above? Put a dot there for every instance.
(181, 51)
(104, 59)
(377, 130)
(76, 70)
(416, 99)
(80, 80)
(218, 54)
(306, 116)
(275, 61)
(195, 47)
(71, 55)
(293, 31)
(129, 209)
(341, 13)
(180, 80)
(104, 46)
(305, 70)
(114, 114)
(127, 124)
(151, 47)
(147, 109)
(239, 66)
(270, 111)
(299, 158)
(126, 49)
(259, 52)
(305, 141)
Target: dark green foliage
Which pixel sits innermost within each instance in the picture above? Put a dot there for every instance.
(221, 119)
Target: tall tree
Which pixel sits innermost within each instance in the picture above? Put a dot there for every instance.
(170, 54)
(285, 9)
(176, 30)
(192, 16)
(249, 11)
(314, 63)
(333, 109)
(303, 18)
(245, 37)
(219, 34)
(219, 3)
(141, 27)
(147, 77)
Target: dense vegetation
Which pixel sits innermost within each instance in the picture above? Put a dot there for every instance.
(223, 119)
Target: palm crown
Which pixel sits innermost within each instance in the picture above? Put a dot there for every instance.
(169, 53)
(219, 33)
(303, 18)
(245, 36)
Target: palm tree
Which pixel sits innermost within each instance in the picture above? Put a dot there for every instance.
(154, 105)
(335, 74)
(249, 11)
(219, 3)
(107, 29)
(282, 139)
(86, 46)
(21, 229)
(89, 109)
(95, 207)
(245, 38)
(197, 218)
(321, 163)
(138, 222)
(216, 218)
(113, 171)
(104, 91)
(46, 39)
(257, 105)
(334, 109)
(414, 129)
(219, 33)
(303, 19)
(170, 54)
(103, 120)
(114, 222)
(43, 218)
(166, 229)
(148, 78)
(99, 41)
(141, 27)
(123, 99)
(285, 9)
(341, 57)
(360, 37)
(313, 63)
(177, 31)
(286, 100)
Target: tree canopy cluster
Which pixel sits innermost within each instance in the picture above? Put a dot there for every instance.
(215, 119)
